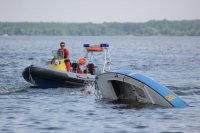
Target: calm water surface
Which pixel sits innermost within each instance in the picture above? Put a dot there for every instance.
(172, 61)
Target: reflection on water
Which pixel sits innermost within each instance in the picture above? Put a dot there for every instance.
(172, 61)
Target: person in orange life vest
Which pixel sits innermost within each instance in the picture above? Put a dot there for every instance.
(66, 55)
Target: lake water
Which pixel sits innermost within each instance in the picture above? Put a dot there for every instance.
(172, 61)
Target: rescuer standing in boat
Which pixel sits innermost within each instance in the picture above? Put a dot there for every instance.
(66, 55)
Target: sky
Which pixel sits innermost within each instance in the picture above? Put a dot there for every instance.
(97, 11)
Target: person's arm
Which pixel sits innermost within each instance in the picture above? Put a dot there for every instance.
(67, 55)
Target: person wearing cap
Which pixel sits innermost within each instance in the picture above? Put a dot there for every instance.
(66, 55)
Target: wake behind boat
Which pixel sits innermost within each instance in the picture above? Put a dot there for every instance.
(83, 72)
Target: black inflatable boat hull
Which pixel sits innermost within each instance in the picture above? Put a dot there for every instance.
(49, 78)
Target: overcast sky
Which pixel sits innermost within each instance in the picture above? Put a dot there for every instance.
(98, 11)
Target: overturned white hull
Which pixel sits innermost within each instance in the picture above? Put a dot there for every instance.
(126, 85)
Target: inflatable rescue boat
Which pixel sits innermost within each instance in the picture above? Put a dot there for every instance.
(83, 71)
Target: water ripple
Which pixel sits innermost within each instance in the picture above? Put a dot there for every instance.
(173, 61)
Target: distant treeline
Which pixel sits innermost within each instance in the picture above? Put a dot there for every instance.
(150, 28)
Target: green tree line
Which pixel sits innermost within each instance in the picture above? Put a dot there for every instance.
(150, 28)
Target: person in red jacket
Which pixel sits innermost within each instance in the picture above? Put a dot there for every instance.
(66, 55)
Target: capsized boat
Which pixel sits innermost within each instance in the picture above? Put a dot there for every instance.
(135, 88)
(83, 71)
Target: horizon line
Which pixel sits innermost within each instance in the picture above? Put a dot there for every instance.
(97, 22)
